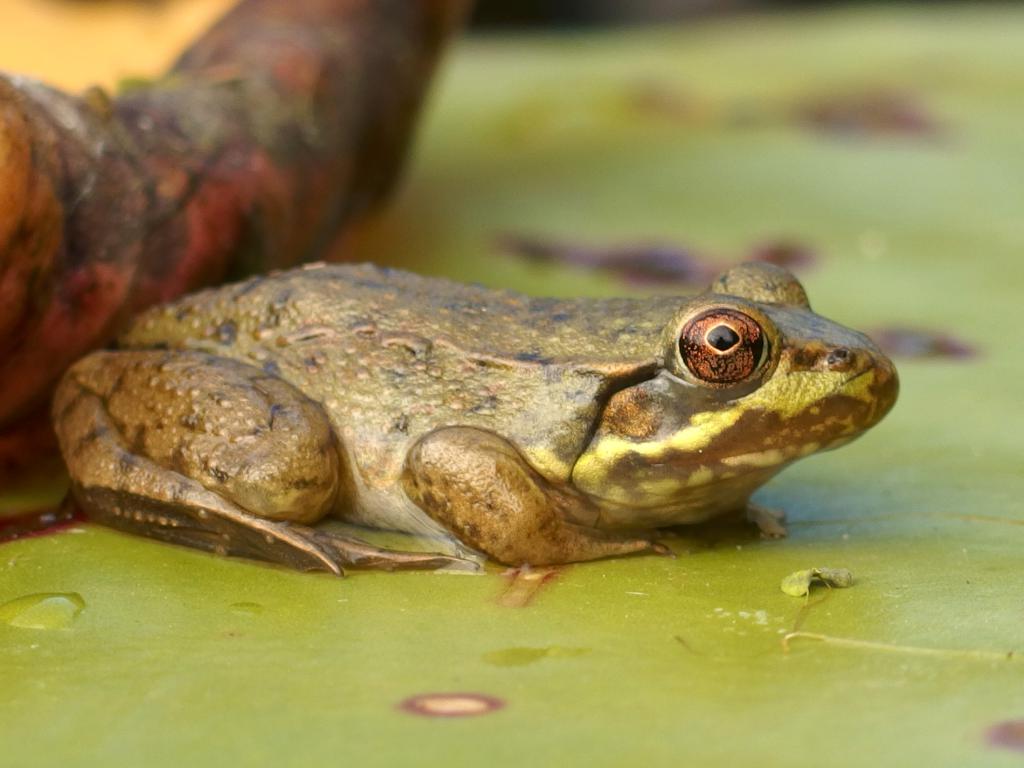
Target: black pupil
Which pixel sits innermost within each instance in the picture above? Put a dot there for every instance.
(723, 338)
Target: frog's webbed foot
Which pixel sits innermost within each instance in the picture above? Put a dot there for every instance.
(209, 523)
(211, 454)
(770, 522)
(191, 516)
(480, 488)
(356, 553)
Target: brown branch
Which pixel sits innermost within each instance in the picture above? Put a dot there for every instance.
(279, 127)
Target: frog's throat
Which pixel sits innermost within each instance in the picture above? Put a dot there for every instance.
(794, 414)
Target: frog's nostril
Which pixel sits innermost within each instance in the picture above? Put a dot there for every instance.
(839, 358)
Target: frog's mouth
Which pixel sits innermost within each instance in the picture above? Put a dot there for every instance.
(700, 464)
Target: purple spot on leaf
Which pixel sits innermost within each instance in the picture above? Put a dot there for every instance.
(868, 113)
(638, 263)
(649, 263)
(918, 343)
(1008, 734)
(784, 253)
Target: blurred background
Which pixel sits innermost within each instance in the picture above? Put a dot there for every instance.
(571, 13)
(877, 149)
(74, 41)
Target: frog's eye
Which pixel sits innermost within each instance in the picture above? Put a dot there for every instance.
(723, 346)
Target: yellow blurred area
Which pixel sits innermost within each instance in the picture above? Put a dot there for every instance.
(77, 43)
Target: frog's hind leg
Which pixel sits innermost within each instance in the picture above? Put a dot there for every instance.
(479, 487)
(212, 454)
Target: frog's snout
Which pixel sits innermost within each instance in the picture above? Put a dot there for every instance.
(885, 385)
(857, 373)
(870, 373)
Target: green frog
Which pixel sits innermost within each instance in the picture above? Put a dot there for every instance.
(529, 430)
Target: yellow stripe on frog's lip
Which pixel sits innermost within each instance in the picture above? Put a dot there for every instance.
(668, 487)
(787, 394)
(664, 493)
(771, 457)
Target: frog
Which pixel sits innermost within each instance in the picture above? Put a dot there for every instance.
(496, 426)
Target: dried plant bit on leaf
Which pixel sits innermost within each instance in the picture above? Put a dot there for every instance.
(798, 583)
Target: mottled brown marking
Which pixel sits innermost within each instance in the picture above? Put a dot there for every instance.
(88, 438)
(632, 413)
(806, 358)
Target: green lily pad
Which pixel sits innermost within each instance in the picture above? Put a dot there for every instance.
(696, 136)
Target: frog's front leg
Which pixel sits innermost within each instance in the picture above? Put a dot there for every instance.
(210, 453)
(480, 488)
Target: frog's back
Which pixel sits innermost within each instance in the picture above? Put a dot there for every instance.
(602, 334)
(363, 300)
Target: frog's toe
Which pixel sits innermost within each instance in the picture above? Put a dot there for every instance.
(352, 552)
(659, 548)
(205, 522)
(770, 522)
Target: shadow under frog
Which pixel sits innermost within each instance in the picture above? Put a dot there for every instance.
(533, 431)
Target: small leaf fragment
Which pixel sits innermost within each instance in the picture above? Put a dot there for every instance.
(798, 583)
